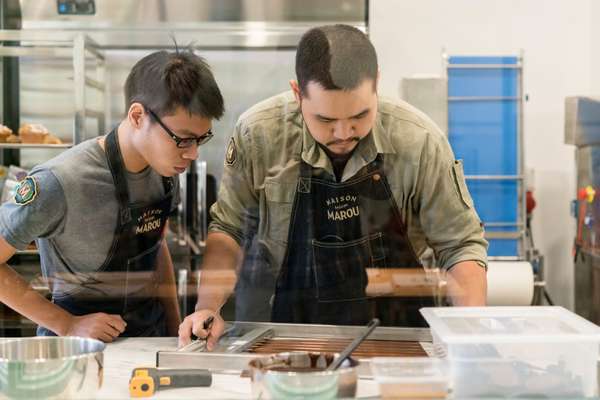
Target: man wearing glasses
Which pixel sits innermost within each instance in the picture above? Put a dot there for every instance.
(98, 211)
(325, 182)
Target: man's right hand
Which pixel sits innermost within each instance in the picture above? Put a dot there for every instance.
(105, 327)
(194, 324)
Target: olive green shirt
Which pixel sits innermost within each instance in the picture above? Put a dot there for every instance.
(262, 167)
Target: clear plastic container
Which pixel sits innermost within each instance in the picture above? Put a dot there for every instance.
(410, 377)
(516, 351)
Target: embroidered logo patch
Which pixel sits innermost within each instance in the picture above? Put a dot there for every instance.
(26, 191)
(231, 154)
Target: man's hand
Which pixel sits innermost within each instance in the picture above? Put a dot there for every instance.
(105, 327)
(194, 324)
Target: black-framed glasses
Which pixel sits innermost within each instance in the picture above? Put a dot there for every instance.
(182, 143)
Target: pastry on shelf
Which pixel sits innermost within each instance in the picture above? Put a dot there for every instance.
(13, 139)
(37, 134)
(5, 132)
(51, 139)
(33, 133)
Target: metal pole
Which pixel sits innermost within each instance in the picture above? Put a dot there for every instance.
(521, 155)
(10, 18)
(202, 203)
(79, 133)
(102, 96)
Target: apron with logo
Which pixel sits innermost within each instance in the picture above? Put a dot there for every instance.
(337, 230)
(126, 283)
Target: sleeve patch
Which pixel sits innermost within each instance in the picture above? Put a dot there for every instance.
(460, 184)
(231, 154)
(26, 191)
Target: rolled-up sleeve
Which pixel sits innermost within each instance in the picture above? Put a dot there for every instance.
(236, 209)
(446, 212)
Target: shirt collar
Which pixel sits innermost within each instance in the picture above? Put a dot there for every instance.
(381, 137)
(312, 153)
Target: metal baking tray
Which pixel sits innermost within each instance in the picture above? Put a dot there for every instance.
(244, 341)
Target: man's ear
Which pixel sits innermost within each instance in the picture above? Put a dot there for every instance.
(135, 115)
(295, 89)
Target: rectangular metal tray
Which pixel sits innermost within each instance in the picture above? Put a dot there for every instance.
(243, 340)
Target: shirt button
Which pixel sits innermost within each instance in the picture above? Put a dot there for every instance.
(376, 177)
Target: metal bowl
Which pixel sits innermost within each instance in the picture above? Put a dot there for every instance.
(50, 368)
(302, 375)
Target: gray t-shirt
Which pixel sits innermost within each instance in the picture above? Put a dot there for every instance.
(74, 214)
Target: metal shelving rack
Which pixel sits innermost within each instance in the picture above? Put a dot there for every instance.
(501, 230)
(516, 230)
(80, 48)
(87, 59)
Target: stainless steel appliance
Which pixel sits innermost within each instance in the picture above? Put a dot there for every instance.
(582, 129)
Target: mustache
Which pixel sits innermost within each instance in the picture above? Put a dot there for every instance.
(341, 141)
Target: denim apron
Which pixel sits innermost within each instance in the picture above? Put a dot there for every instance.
(126, 283)
(337, 230)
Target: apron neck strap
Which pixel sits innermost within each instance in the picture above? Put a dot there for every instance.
(168, 184)
(117, 169)
(376, 164)
(115, 163)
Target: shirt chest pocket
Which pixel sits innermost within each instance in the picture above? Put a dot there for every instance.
(279, 202)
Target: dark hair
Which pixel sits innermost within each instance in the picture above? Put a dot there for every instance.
(336, 57)
(163, 81)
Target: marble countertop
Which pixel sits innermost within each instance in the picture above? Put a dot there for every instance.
(122, 356)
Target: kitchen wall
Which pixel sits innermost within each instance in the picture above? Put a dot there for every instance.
(562, 58)
(594, 46)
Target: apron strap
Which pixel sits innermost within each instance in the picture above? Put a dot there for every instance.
(168, 184)
(376, 164)
(115, 163)
(306, 172)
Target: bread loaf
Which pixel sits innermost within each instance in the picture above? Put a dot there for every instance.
(33, 133)
(5, 132)
(51, 139)
(13, 139)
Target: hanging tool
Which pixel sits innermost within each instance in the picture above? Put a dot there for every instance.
(584, 217)
(145, 382)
